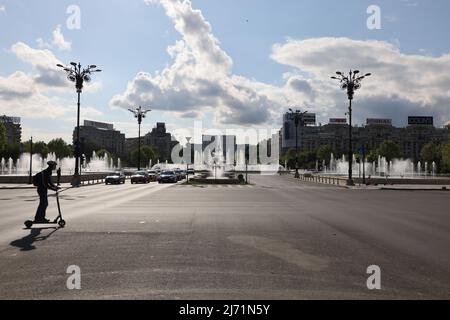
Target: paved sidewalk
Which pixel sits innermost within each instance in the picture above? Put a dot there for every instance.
(414, 187)
(405, 187)
(9, 186)
(12, 186)
(278, 239)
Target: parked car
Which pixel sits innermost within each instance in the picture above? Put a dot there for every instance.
(190, 172)
(168, 176)
(179, 173)
(115, 178)
(157, 169)
(140, 177)
(153, 175)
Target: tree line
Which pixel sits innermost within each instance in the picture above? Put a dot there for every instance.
(431, 152)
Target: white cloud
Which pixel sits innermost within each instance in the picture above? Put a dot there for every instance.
(42, 44)
(45, 73)
(57, 41)
(32, 95)
(2, 8)
(200, 77)
(421, 82)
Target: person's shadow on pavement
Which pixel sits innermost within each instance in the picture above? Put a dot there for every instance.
(27, 242)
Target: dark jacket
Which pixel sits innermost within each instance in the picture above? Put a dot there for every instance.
(45, 181)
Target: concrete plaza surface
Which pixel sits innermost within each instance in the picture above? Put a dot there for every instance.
(278, 238)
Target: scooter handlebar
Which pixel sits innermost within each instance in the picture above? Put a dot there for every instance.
(63, 189)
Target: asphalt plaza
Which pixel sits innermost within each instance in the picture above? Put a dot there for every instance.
(276, 239)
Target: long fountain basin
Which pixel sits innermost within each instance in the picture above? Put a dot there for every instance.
(214, 181)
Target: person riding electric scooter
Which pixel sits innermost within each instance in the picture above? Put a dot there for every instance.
(43, 182)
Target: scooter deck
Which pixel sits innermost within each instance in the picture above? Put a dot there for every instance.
(59, 221)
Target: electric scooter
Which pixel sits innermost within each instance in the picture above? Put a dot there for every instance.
(59, 219)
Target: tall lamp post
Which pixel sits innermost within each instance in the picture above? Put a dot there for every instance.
(297, 116)
(188, 157)
(364, 162)
(30, 178)
(78, 75)
(350, 83)
(139, 114)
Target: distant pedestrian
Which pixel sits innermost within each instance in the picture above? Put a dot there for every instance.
(58, 176)
(43, 182)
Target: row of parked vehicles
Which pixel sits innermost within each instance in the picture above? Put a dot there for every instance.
(147, 176)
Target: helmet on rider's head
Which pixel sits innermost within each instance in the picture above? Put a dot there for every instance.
(52, 164)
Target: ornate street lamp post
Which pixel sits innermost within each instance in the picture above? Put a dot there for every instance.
(78, 75)
(30, 177)
(139, 114)
(188, 157)
(350, 83)
(298, 118)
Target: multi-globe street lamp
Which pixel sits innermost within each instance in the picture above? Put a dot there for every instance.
(298, 118)
(139, 114)
(188, 156)
(350, 83)
(30, 177)
(78, 75)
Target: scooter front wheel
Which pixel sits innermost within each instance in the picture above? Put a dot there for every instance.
(62, 223)
(28, 224)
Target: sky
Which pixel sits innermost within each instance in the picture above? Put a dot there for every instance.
(230, 64)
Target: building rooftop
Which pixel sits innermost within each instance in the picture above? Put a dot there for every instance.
(8, 119)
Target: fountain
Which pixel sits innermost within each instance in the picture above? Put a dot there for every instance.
(22, 166)
(381, 169)
(216, 167)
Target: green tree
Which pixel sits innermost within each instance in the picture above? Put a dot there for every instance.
(389, 149)
(60, 148)
(11, 151)
(324, 153)
(3, 137)
(39, 147)
(88, 147)
(307, 160)
(430, 152)
(372, 156)
(102, 152)
(445, 158)
(288, 157)
(147, 153)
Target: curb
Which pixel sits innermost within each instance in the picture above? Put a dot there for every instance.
(378, 188)
(322, 184)
(30, 188)
(408, 189)
(16, 188)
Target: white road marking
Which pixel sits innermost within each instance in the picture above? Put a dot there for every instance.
(283, 251)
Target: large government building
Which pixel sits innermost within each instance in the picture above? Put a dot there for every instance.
(13, 129)
(158, 138)
(411, 139)
(103, 136)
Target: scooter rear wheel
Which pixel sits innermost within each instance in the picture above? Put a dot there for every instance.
(28, 224)
(62, 223)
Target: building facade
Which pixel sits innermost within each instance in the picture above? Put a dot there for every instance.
(161, 140)
(102, 136)
(410, 139)
(158, 138)
(13, 129)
